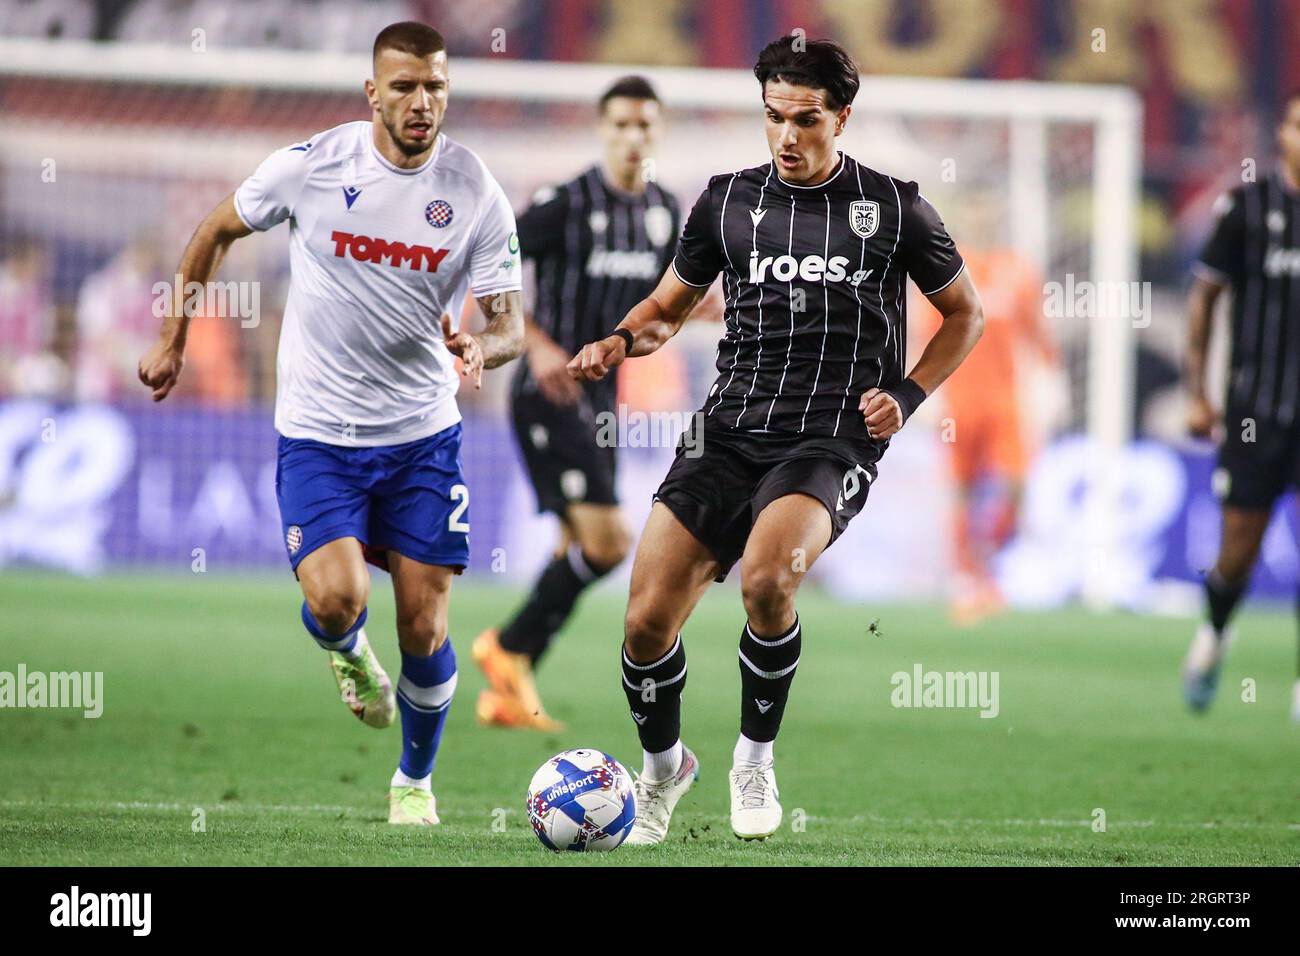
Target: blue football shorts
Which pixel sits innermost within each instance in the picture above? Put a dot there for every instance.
(409, 498)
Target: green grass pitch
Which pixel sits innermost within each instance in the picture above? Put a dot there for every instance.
(215, 700)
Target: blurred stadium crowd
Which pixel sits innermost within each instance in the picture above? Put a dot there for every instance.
(1210, 72)
(77, 276)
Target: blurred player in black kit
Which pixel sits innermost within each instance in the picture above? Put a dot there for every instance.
(598, 244)
(1254, 250)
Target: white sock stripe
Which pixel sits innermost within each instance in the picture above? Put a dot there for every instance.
(424, 710)
(341, 643)
(656, 684)
(579, 564)
(794, 632)
(430, 699)
(769, 675)
(627, 661)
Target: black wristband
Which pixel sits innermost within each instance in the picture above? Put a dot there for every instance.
(626, 336)
(909, 396)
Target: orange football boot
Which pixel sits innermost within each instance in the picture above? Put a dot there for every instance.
(512, 700)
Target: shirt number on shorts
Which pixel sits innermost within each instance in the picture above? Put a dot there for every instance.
(458, 493)
(852, 484)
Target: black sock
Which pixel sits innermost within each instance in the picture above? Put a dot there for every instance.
(1221, 599)
(550, 603)
(767, 666)
(654, 694)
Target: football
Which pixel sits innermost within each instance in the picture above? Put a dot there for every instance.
(581, 800)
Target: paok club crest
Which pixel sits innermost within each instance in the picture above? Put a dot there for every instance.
(864, 217)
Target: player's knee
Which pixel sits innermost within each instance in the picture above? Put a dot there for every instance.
(421, 633)
(607, 552)
(768, 593)
(647, 634)
(605, 545)
(338, 609)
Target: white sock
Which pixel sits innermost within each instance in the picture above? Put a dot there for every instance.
(402, 780)
(662, 766)
(751, 753)
(358, 646)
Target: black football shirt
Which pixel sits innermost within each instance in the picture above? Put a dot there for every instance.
(814, 279)
(597, 251)
(1255, 249)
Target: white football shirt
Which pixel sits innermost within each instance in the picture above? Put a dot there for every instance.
(377, 254)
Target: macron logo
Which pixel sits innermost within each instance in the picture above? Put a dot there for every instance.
(350, 194)
(102, 909)
(368, 249)
(757, 215)
(763, 705)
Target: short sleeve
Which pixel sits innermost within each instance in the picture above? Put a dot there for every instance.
(541, 226)
(699, 256)
(267, 198)
(1220, 260)
(927, 251)
(494, 258)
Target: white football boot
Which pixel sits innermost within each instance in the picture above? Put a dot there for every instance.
(755, 809)
(413, 806)
(1202, 664)
(655, 802)
(1295, 702)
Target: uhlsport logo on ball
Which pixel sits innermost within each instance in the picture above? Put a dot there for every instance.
(581, 800)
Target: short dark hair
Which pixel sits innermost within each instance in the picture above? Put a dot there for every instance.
(820, 64)
(633, 87)
(417, 39)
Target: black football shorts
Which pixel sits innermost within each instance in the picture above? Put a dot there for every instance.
(566, 464)
(1258, 461)
(718, 495)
